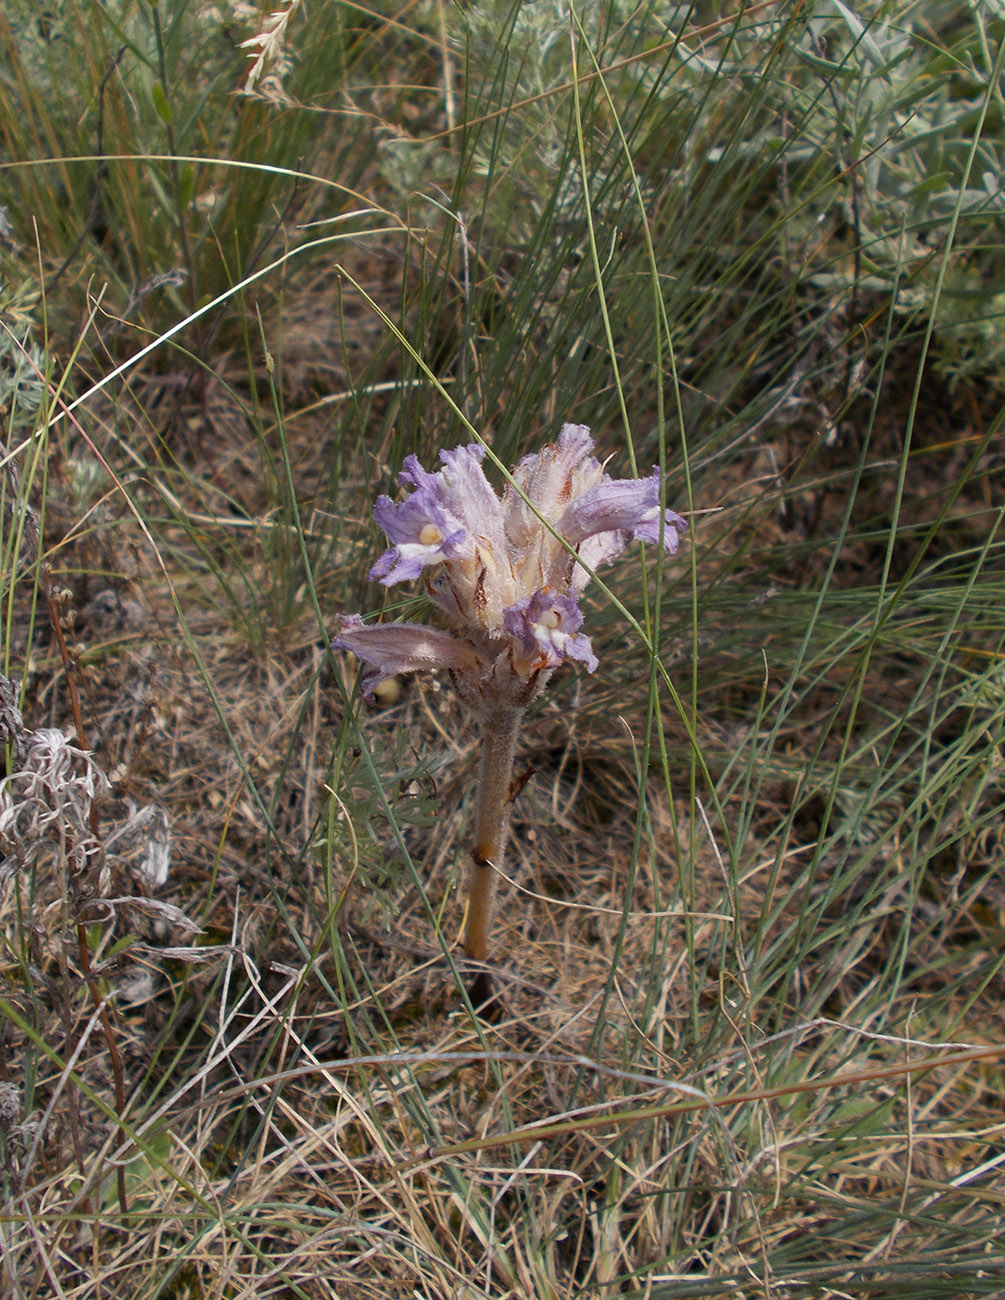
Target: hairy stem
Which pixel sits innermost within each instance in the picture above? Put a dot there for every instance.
(500, 728)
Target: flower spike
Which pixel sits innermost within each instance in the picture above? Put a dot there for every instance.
(508, 573)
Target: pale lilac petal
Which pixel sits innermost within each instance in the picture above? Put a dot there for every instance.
(392, 648)
(547, 477)
(630, 506)
(546, 625)
(648, 530)
(412, 474)
(470, 497)
(596, 551)
(405, 561)
(422, 529)
(450, 515)
(575, 443)
(422, 512)
(550, 479)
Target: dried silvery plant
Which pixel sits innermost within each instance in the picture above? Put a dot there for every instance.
(508, 573)
(46, 801)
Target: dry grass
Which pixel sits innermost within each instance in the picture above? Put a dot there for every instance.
(314, 1112)
(750, 936)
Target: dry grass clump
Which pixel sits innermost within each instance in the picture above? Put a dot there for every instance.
(313, 1111)
(310, 1107)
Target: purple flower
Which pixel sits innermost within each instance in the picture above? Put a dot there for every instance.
(546, 626)
(422, 528)
(627, 506)
(505, 570)
(508, 572)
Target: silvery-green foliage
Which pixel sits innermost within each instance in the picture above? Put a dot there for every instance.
(869, 112)
(22, 379)
(885, 104)
(36, 32)
(521, 55)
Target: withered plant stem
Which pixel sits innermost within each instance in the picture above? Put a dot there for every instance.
(500, 728)
(70, 667)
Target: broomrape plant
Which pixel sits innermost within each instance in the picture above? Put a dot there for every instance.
(508, 573)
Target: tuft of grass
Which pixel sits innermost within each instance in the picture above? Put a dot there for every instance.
(753, 979)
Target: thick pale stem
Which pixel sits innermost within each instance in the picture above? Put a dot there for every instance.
(500, 729)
